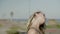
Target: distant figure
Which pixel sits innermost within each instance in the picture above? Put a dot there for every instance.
(36, 23)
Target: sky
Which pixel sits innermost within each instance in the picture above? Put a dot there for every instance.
(24, 8)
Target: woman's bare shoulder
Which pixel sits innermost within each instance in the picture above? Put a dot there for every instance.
(32, 31)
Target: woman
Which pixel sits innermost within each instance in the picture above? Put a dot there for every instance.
(36, 23)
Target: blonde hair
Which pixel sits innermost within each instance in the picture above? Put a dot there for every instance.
(29, 22)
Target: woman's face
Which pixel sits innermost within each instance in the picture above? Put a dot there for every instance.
(40, 18)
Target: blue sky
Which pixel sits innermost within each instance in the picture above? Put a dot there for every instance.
(24, 8)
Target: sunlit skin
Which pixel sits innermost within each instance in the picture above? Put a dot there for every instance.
(37, 20)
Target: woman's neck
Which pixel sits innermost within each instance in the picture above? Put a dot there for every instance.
(35, 25)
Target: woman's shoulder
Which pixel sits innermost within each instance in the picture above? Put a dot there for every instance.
(32, 31)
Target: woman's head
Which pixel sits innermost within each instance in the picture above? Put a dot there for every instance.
(37, 15)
